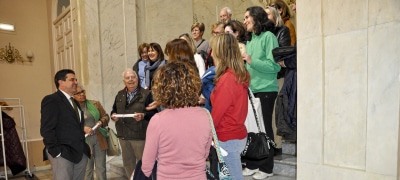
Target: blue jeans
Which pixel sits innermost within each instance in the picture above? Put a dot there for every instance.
(234, 148)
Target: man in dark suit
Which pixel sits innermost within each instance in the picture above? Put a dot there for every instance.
(62, 129)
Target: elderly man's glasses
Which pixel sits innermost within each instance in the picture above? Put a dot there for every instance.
(80, 93)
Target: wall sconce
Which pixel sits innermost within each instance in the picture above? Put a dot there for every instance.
(29, 55)
(10, 55)
(7, 27)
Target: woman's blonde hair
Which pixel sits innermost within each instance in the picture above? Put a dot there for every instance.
(276, 15)
(226, 54)
(176, 85)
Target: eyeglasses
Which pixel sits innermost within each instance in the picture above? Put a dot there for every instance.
(80, 93)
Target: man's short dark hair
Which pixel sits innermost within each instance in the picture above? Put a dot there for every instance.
(62, 75)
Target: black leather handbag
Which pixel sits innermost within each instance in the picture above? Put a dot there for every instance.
(258, 144)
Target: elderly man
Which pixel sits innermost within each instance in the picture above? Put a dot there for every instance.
(225, 14)
(61, 126)
(131, 129)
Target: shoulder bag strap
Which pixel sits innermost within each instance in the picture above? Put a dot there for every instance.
(251, 97)
(200, 43)
(215, 138)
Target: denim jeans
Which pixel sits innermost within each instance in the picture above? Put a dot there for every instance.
(234, 148)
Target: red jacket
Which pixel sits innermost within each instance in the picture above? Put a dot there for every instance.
(229, 100)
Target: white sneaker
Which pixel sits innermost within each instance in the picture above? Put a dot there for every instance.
(249, 172)
(262, 175)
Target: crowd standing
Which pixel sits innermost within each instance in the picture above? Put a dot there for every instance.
(200, 77)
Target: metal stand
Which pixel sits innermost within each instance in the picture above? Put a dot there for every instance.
(23, 140)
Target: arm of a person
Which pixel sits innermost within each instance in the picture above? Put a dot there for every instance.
(284, 39)
(200, 65)
(267, 64)
(150, 148)
(104, 117)
(149, 113)
(292, 31)
(207, 89)
(49, 113)
(208, 145)
(291, 61)
(222, 99)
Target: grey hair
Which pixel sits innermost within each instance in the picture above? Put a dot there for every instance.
(228, 10)
(128, 70)
(277, 16)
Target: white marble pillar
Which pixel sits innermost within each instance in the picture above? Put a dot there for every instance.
(348, 89)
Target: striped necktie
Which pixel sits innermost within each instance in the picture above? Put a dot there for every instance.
(75, 108)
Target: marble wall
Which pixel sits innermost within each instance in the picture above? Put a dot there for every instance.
(349, 89)
(112, 30)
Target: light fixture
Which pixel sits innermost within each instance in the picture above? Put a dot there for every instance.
(29, 55)
(6, 27)
(10, 55)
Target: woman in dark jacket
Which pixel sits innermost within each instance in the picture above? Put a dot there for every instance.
(281, 32)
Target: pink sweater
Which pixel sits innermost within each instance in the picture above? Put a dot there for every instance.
(179, 139)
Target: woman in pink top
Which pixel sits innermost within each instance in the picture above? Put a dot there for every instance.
(179, 137)
(229, 100)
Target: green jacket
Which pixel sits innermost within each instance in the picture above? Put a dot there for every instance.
(263, 68)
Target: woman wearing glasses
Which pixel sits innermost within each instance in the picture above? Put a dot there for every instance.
(94, 115)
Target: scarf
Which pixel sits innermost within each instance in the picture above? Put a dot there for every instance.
(96, 115)
(149, 68)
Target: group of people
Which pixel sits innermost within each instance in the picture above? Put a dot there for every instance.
(159, 114)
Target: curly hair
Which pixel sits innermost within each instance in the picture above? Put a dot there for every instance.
(176, 85)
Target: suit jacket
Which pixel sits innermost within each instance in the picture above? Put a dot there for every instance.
(61, 129)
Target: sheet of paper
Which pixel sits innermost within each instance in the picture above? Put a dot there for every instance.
(124, 115)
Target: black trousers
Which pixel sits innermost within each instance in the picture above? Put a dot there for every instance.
(267, 106)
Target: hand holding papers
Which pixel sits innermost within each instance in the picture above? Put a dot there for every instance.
(93, 129)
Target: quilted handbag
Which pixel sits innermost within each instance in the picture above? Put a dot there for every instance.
(258, 143)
